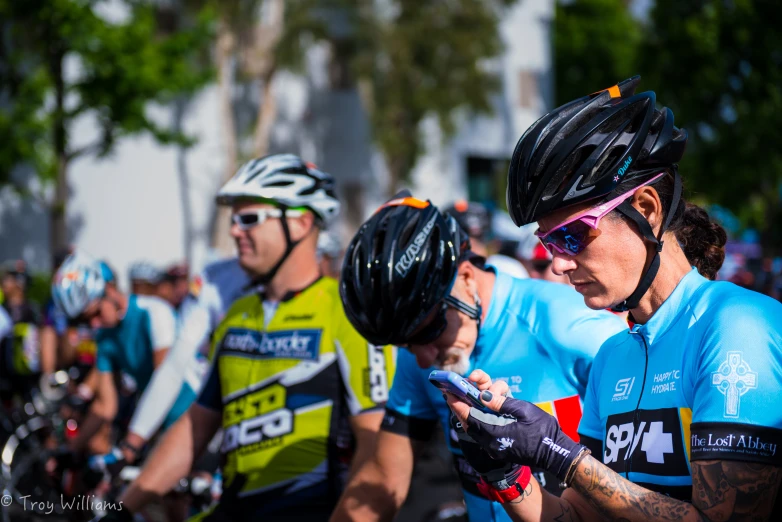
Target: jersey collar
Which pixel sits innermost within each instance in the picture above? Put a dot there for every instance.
(673, 309)
(290, 294)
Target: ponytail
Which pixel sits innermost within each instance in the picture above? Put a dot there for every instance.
(702, 240)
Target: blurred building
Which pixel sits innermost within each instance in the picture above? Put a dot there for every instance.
(129, 206)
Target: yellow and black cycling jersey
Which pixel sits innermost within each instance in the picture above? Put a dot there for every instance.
(287, 381)
(21, 349)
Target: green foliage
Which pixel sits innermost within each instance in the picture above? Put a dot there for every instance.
(40, 288)
(304, 25)
(718, 65)
(420, 58)
(122, 67)
(595, 46)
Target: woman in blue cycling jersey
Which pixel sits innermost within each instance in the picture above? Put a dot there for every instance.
(680, 420)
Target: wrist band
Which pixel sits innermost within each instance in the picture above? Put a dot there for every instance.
(512, 492)
(572, 469)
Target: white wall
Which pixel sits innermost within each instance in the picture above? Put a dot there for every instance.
(131, 202)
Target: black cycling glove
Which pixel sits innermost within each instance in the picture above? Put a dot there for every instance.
(502, 480)
(523, 434)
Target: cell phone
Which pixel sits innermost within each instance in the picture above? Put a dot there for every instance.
(454, 383)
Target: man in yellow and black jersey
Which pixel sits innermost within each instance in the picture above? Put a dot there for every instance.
(298, 392)
(19, 351)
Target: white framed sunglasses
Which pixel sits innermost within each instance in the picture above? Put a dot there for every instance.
(248, 219)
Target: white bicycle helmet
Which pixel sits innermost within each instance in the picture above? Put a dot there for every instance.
(146, 272)
(78, 282)
(287, 180)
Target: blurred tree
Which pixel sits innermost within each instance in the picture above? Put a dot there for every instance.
(256, 39)
(595, 46)
(59, 61)
(416, 58)
(175, 16)
(718, 65)
(409, 58)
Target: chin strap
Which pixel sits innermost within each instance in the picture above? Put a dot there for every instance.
(264, 279)
(629, 211)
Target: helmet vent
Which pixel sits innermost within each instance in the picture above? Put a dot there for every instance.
(563, 175)
(605, 163)
(407, 233)
(277, 184)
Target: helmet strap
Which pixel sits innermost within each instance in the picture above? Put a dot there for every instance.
(473, 312)
(263, 279)
(629, 211)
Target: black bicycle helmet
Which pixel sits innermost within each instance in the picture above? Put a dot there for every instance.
(398, 267)
(473, 217)
(586, 148)
(591, 147)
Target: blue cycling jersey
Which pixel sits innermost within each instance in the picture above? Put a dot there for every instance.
(698, 381)
(537, 336)
(148, 326)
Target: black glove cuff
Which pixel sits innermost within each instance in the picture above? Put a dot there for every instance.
(503, 478)
(566, 455)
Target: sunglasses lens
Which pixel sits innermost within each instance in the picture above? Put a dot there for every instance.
(570, 239)
(247, 219)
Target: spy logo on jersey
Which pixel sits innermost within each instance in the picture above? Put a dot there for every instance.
(653, 443)
(733, 379)
(377, 382)
(623, 389)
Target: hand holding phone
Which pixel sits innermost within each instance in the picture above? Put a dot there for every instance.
(454, 383)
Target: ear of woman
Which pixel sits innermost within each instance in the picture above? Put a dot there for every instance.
(647, 201)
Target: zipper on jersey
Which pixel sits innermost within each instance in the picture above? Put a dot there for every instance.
(637, 412)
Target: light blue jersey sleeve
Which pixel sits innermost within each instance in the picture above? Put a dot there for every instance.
(408, 395)
(738, 377)
(590, 424)
(572, 332)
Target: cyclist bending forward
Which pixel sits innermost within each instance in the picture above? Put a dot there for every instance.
(133, 336)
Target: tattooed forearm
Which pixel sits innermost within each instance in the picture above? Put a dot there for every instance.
(722, 490)
(618, 498)
(565, 515)
(727, 490)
